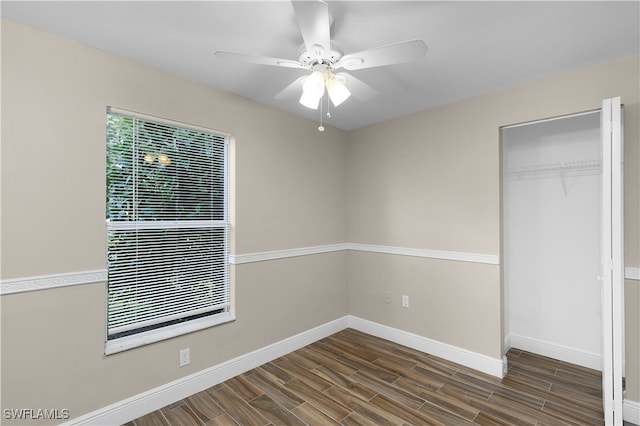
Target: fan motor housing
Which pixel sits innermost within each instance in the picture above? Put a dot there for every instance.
(310, 59)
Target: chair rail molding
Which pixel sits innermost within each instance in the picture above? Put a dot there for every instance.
(45, 282)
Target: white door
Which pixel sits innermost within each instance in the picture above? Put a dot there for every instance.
(612, 260)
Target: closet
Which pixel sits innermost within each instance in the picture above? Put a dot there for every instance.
(551, 237)
(562, 243)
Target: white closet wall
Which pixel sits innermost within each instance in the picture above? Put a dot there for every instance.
(551, 223)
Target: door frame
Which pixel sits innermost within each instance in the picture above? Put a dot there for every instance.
(612, 253)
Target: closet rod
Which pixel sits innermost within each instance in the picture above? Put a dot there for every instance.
(554, 166)
(544, 120)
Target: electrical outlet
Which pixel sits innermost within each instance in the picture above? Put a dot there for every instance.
(185, 357)
(405, 301)
(387, 297)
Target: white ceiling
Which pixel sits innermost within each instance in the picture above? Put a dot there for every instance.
(474, 47)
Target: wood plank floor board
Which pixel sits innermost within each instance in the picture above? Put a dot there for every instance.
(330, 407)
(516, 380)
(301, 357)
(573, 412)
(363, 407)
(486, 419)
(514, 394)
(353, 379)
(154, 418)
(567, 401)
(536, 414)
(346, 382)
(405, 413)
(180, 413)
(243, 388)
(327, 361)
(369, 369)
(367, 353)
(236, 407)
(396, 365)
(389, 390)
(582, 379)
(204, 407)
(456, 406)
(411, 354)
(222, 420)
(312, 416)
(421, 381)
(274, 412)
(355, 419)
(454, 385)
(274, 369)
(307, 376)
(283, 396)
(444, 416)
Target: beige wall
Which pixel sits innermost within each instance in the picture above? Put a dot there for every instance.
(431, 180)
(289, 192)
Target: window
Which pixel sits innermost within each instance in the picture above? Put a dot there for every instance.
(167, 229)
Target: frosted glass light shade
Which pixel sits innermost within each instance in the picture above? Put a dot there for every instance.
(312, 90)
(310, 100)
(338, 92)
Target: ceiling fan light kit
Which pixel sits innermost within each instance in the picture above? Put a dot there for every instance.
(323, 56)
(338, 92)
(314, 86)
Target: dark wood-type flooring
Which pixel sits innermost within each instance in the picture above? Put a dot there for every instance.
(352, 378)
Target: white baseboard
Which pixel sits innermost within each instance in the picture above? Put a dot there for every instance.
(555, 351)
(138, 405)
(631, 411)
(486, 364)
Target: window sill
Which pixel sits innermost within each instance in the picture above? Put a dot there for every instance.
(141, 339)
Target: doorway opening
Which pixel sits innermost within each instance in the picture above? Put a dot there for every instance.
(562, 243)
(551, 238)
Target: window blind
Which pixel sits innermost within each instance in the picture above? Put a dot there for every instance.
(167, 224)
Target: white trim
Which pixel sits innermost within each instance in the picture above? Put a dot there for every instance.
(45, 282)
(138, 405)
(491, 259)
(403, 251)
(128, 342)
(168, 122)
(480, 362)
(555, 351)
(631, 411)
(239, 259)
(632, 273)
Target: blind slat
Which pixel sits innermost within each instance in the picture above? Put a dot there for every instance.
(167, 225)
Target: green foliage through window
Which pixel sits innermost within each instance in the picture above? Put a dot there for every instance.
(166, 224)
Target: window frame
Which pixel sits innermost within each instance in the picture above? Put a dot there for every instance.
(163, 332)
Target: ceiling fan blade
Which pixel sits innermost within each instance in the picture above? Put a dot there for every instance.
(294, 89)
(358, 88)
(257, 59)
(314, 22)
(406, 51)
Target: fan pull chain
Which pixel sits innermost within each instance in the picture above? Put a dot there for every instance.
(321, 127)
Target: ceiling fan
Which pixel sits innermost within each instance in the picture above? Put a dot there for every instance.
(324, 57)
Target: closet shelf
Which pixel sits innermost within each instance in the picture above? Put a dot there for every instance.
(559, 166)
